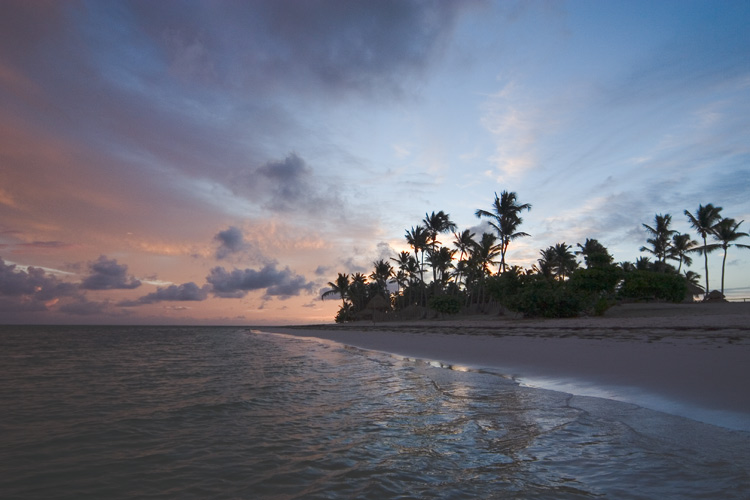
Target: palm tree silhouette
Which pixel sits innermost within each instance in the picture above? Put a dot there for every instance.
(505, 219)
(681, 246)
(435, 224)
(418, 239)
(594, 253)
(463, 242)
(442, 261)
(340, 287)
(485, 252)
(558, 261)
(726, 233)
(704, 220)
(660, 239)
(382, 273)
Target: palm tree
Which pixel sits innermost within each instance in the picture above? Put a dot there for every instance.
(565, 261)
(418, 239)
(660, 238)
(594, 253)
(505, 219)
(704, 220)
(442, 261)
(435, 224)
(358, 291)
(340, 287)
(482, 258)
(383, 271)
(463, 242)
(693, 279)
(643, 264)
(681, 246)
(546, 262)
(557, 260)
(726, 232)
(485, 252)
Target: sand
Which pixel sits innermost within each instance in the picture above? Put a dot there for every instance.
(691, 360)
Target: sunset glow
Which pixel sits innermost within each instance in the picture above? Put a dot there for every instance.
(221, 162)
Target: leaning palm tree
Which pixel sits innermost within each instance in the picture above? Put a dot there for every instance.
(340, 287)
(726, 233)
(681, 246)
(703, 221)
(505, 219)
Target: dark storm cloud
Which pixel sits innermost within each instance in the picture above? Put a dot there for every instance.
(281, 283)
(107, 274)
(231, 241)
(178, 293)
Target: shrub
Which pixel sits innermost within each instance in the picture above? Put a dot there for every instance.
(344, 314)
(445, 304)
(538, 296)
(650, 285)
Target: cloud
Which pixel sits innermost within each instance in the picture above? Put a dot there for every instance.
(33, 283)
(231, 241)
(45, 244)
(84, 307)
(284, 186)
(185, 292)
(333, 45)
(31, 290)
(106, 274)
(281, 283)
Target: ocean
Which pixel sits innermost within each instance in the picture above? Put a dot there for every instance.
(227, 412)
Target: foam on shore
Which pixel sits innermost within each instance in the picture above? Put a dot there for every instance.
(693, 378)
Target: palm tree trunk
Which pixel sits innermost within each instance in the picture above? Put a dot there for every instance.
(723, 263)
(705, 259)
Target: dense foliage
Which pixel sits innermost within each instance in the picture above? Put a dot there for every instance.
(474, 275)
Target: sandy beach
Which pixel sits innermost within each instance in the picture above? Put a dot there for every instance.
(691, 360)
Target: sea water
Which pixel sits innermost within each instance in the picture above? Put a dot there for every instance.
(226, 412)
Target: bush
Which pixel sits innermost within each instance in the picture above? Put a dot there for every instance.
(445, 304)
(344, 314)
(650, 285)
(538, 296)
(597, 280)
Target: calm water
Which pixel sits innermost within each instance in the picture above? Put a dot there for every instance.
(151, 412)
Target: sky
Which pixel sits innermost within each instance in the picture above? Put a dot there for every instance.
(219, 162)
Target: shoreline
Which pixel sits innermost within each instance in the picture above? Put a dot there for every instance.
(691, 360)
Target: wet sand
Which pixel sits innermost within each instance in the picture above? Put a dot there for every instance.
(687, 359)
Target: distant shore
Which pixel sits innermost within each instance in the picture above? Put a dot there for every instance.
(688, 359)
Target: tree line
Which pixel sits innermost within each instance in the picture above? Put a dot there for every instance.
(461, 276)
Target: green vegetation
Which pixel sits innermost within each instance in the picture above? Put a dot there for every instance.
(463, 278)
